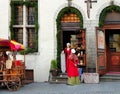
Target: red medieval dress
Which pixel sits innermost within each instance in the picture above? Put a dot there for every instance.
(67, 52)
(73, 73)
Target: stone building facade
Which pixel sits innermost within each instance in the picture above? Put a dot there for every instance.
(48, 11)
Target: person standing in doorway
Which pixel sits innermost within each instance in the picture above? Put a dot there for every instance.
(67, 52)
(72, 72)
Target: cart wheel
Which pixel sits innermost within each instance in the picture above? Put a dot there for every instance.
(13, 83)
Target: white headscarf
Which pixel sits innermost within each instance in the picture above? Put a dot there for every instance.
(73, 51)
(68, 44)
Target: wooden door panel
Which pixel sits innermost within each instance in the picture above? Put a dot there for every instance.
(114, 62)
(81, 47)
(101, 60)
(101, 51)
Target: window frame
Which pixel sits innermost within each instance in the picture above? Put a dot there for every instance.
(26, 4)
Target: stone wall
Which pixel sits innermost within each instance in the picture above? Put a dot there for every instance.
(90, 26)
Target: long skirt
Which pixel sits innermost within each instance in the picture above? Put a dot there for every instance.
(73, 80)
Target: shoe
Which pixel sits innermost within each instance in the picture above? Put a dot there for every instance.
(69, 84)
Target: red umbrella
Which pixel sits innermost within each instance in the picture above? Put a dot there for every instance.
(16, 46)
(11, 44)
(4, 42)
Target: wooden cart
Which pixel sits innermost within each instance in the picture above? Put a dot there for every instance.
(13, 77)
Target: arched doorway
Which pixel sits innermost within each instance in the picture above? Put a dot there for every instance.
(70, 27)
(69, 24)
(110, 23)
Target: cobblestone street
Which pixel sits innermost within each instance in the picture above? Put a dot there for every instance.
(46, 88)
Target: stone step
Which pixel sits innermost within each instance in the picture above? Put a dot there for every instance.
(62, 78)
(115, 75)
(110, 78)
(57, 82)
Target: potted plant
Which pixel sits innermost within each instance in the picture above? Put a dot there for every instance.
(54, 68)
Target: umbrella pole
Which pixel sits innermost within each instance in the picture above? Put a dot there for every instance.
(24, 56)
(14, 55)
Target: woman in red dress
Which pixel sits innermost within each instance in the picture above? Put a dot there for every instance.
(72, 72)
(67, 52)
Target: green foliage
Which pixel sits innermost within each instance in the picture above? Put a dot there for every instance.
(53, 64)
(27, 3)
(59, 47)
(28, 50)
(106, 11)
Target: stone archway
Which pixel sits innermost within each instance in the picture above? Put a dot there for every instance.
(73, 14)
(69, 24)
(104, 6)
(112, 10)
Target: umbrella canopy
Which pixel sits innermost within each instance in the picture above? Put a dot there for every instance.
(11, 45)
(4, 42)
(16, 46)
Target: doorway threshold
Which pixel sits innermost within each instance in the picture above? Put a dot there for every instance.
(112, 72)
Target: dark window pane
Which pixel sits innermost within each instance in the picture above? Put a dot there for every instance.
(31, 37)
(31, 16)
(18, 35)
(16, 0)
(32, 0)
(18, 15)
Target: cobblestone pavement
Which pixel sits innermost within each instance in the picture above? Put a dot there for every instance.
(46, 88)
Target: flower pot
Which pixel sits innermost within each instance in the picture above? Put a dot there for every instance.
(54, 72)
